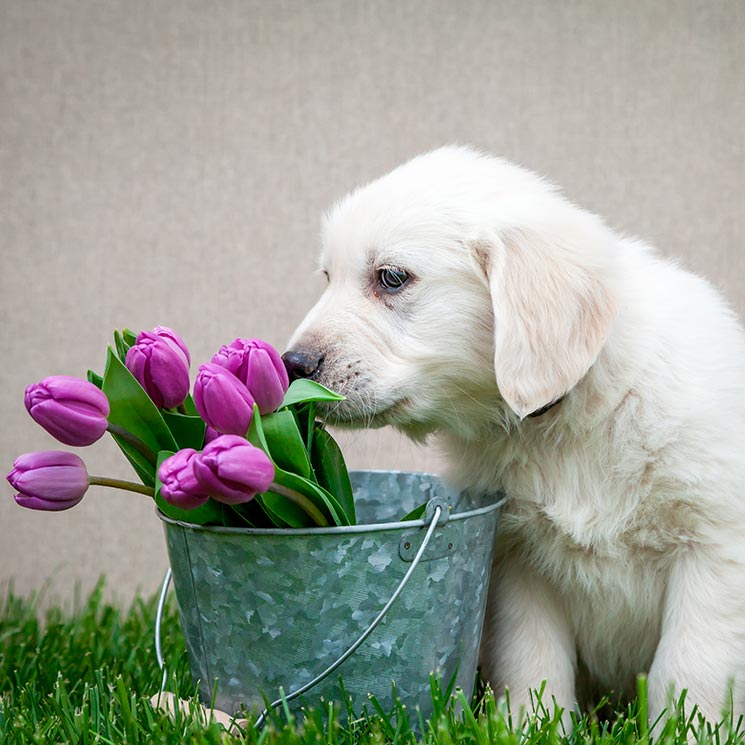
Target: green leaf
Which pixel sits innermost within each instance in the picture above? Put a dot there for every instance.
(311, 425)
(257, 438)
(285, 443)
(282, 512)
(331, 471)
(320, 497)
(256, 432)
(302, 413)
(143, 467)
(248, 514)
(304, 390)
(188, 431)
(121, 346)
(324, 501)
(210, 513)
(191, 410)
(268, 518)
(95, 378)
(130, 338)
(415, 514)
(132, 409)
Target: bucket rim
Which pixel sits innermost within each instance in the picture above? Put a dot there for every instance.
(499, 501)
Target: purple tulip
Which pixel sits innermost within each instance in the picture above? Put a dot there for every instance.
(231, 358)
(51, 480)
(210, 433)
(170, 336)
(231, 470)
(161, 368)
(179, 484)
(72, 410)
(259, 366)
(222, 400)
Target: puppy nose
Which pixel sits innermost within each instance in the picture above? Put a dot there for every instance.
(301, 364)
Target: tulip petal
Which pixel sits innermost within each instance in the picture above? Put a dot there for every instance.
(169, 379)
(70, 409)
(222, 400)
(179, 485)
(51, 476)
(71, 425)
(250, 467)
(53, 482)
(67, 387)
(35, 503)
(210, 433)
(232, 470)
(229, 358)
(47, 458)
(161, 368)
(173, 339)
(263, 382)
(222, 490)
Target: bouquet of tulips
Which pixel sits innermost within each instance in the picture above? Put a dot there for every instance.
(245, 450)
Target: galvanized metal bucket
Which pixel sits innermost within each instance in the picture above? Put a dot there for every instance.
(264, 610)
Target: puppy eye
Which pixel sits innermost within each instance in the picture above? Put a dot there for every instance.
(392, 279)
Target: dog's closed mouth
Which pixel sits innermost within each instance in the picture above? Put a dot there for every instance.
(353, 414)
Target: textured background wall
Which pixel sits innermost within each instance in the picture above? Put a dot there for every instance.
(167, 163)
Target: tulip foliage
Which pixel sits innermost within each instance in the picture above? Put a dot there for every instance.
(246, 450)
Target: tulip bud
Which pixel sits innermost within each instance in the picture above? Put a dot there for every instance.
(231, 358)
(170, 336)
(179, 484)
(222, 400)
(72, 410)
(260, 367)
(266, 378)
(231, 470)
(161, 368)
(51, 480)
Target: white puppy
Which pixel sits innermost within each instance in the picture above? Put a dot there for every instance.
(465, 296)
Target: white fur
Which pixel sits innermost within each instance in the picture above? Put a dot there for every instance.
(622, 547)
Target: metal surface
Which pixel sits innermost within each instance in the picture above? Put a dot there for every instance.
(437, 515)
(334, 665)
(441, 546)
(264, 609)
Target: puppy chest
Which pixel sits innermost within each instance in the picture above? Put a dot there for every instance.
(583, 550)
(590, 513)
(612, 592)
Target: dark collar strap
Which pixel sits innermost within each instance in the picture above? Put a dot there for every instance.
(539, 412)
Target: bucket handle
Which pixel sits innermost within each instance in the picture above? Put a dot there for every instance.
(438, 511)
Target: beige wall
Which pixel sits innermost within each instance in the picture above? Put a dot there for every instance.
(167, 162)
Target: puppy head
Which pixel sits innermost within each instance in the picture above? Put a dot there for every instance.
(459, 287)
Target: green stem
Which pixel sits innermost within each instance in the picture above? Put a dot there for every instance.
(119, 484)
(135, 442)
(182, 409)
(302, 502)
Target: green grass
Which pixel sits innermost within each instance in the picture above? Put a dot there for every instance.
(87, 676)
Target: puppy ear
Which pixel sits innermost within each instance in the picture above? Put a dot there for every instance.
(552, 314)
